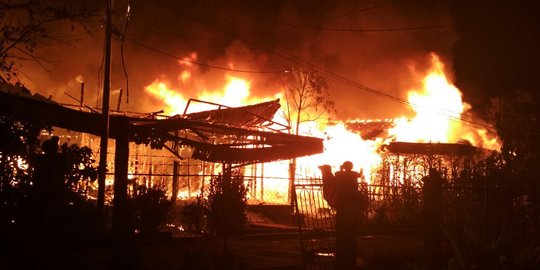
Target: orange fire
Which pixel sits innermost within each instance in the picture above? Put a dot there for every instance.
(341, 144)
(172, 99)
(438, 107)
(234, 94)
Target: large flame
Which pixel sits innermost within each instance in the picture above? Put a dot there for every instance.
(438, 107)
(235, 93)
(171, 98)
(340, 145)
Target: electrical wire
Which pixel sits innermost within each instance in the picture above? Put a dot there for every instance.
(72, 35)
(199, 63)
(291, 57)
(337, 29)
(361, 10)
(100, 75)
(151, 30)
(329, 74)
(396, 29)
(122, 41)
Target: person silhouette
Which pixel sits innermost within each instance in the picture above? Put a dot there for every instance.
(49, 181)
(346, 201)
(329, 185)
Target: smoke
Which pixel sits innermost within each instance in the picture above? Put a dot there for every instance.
(257, 36)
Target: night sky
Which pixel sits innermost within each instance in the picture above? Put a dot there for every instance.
(489, 47)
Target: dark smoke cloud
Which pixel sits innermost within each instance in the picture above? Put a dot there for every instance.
(258, 35)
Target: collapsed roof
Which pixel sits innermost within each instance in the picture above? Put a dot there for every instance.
(253, 116)
(372, 129)
(226, 135)
(369, 130)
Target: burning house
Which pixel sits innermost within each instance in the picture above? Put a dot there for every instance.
(233, 136)
(197, 136)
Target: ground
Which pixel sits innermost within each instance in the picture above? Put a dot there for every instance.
(271, 242)
(260, 248)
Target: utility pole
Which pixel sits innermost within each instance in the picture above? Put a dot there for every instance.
(105, 113)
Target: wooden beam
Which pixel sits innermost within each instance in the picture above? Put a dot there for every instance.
(125, 250)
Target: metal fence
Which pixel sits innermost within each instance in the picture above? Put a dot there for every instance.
(386, 208)
(316, 221)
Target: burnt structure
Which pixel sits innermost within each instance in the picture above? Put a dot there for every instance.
(406, 162)
(227, 135)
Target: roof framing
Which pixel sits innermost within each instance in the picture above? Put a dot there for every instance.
(214, 142)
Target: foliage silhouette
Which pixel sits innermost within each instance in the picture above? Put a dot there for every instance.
(192, 215)
(151, 207)
(226, 205)
(27, 23)
(19, 137)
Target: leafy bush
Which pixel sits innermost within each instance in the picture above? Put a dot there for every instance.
(192, 215)
(151, 207)
(226, 204)
(471, 251)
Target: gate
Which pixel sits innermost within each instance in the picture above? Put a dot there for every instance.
(316, 223)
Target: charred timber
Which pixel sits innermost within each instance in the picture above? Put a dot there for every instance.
(256, 145)
(246, 116)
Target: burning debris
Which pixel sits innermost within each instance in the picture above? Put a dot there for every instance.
(230, 126)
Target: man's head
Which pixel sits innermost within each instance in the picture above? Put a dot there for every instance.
(50, 146)
(347, 166)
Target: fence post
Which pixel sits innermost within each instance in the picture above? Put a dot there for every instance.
(174, 192)
(432, 220)
(125, 253)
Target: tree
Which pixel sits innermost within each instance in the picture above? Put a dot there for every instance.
(151, 207)
(18, 159)
(226, 204)
(19, 142)
(517, 125)
(26, 23)
(307, 99)
(80, 170)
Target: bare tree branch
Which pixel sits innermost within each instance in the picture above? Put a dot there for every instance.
(307, 97)
(24, 24)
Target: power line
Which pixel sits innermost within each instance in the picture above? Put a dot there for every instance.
(349, 82)
(151, 30)
(291, 57)
(122, 41)
(199, 63)
(361, 10)
(446, 113)
(396, 29)
(74, 35)
(338, 29)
